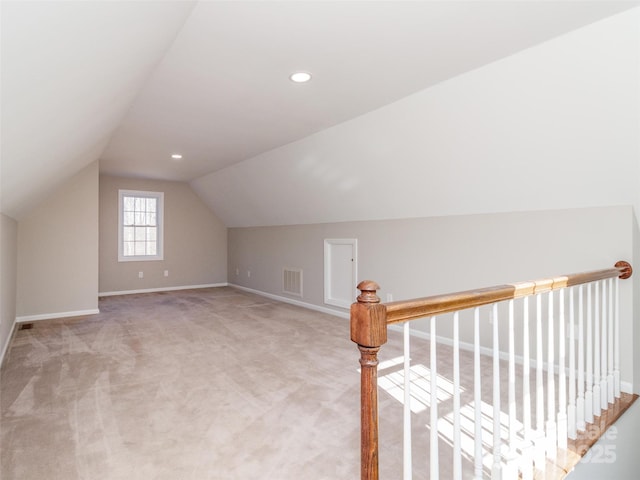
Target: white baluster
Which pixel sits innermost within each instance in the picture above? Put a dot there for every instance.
(580, 414)
(477, 397)
(539, 458)
(512, 381)
(406, 460)
(527, 446)
(603, 363)
(433, 463)
(610, 322)
(496, 470)
(562, 385)
(571, 411)
(510, 469)
(596, 350)
(616, 366)
(552, 434)
(588, 396)
(457, 452)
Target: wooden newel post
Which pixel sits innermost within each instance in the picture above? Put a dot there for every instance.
(369, 331)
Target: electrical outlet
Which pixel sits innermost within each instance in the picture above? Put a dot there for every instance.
(248, 273)
(237, 271)
(140, 274)
(166, 273)
(389, 297)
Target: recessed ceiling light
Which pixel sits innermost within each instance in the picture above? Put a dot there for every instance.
(176, 156)
(300, 77)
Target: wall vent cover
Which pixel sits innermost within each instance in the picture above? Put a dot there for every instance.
(292, 281)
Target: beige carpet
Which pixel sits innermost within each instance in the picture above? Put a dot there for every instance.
(203, 384)
(206, 384)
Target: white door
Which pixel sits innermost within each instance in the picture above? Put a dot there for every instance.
(340, 271)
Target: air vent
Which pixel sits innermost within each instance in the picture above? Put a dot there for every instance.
(292, 281)
(26, 326)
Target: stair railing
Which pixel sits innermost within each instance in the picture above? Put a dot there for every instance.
(527, 447)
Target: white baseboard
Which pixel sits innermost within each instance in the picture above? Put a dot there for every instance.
(488, 351)
(161, 289)
(448, 341)
(626, 387)
(7, 342)
(298, 303)
(50, 316)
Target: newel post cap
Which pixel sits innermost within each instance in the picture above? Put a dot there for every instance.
(368, 290)
(368, 317)
(627, 269)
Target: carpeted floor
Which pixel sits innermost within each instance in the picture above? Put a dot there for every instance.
(209, 384)
(201, 384)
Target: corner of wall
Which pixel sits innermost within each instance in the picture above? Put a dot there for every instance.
(57, 250)
(636, 302)
(8, 281)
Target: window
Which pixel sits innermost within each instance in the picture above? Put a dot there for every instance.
(140, 225)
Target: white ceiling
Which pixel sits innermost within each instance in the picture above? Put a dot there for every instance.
(130, 83)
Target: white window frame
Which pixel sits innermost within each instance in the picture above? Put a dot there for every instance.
(159, 196)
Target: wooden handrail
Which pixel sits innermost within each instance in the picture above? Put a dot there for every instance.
(436, 305)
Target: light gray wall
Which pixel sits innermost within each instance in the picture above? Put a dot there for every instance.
(195, 241)
(8, 270)
(58, 250)
(615, 454)
(426, 256)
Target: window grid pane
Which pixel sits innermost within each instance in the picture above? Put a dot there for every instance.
(128, 249)
(128, 234)
(128, 204)
(140, 248)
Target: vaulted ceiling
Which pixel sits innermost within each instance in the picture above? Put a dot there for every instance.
(131, 83)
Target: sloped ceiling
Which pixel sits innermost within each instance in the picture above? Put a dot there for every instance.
(130, 83)
(553, 127)
(70, 72)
